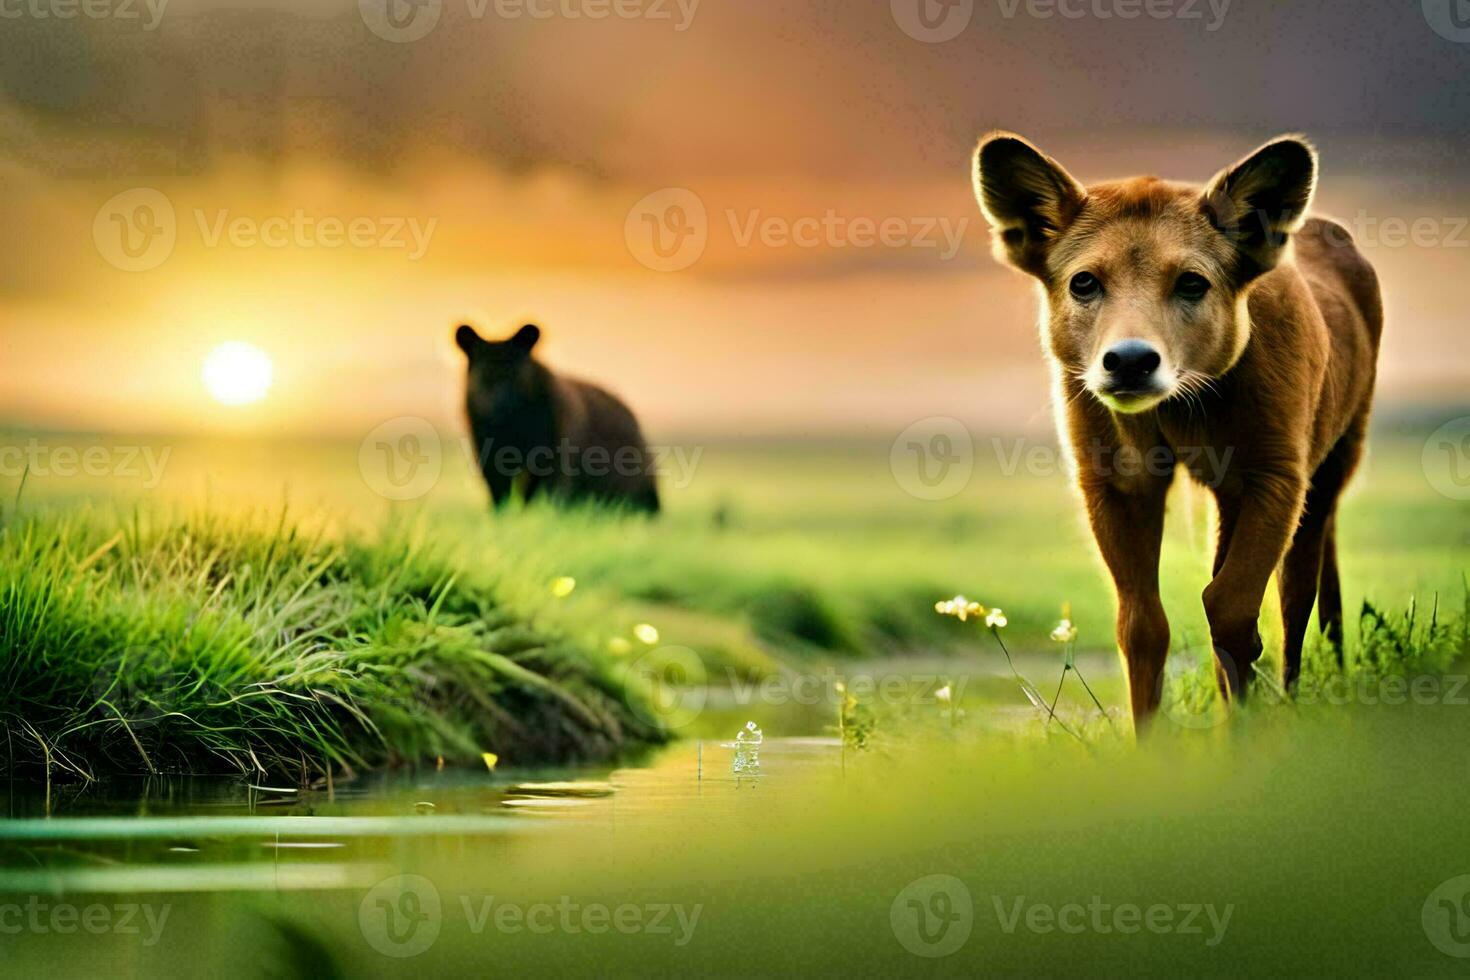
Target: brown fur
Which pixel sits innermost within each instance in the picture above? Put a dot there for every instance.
(1273, 365)
(541, 432)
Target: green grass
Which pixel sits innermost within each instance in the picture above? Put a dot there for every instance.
(366, 631)
(250, 645)
(804, 550)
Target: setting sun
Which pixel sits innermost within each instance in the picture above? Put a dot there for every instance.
(237, 373)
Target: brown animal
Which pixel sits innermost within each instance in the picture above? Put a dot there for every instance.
(1189, 326)
(539, 432)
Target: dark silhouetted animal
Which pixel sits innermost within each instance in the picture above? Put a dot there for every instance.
(537, 432)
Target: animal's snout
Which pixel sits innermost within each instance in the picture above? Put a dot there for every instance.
(1130, 365)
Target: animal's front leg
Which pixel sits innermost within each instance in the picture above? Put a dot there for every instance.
(1269, 507)
(1129, 527)
(499, 483)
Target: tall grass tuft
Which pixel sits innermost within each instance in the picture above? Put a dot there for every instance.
(253, 645)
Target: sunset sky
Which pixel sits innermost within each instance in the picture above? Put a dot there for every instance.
(292, 180)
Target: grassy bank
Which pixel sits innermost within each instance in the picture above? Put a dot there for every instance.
(254, 645)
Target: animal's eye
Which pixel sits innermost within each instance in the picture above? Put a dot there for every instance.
(1085, 286)
(1192, 285)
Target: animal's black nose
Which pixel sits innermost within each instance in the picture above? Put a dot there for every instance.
(1130, 363)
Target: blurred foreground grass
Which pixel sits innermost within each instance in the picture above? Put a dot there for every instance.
(1311, 841)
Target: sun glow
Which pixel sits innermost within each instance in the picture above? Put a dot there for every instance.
(237, 373)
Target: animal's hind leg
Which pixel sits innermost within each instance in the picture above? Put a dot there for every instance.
(1329, 591)
(1349, 452)
(1305, 568)
(1300, 571)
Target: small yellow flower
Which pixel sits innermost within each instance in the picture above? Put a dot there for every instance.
(563, 586)
(959, 607)
(995, 619)
(1065, 632)
(619, 646)
(490, 760)
(646, 632)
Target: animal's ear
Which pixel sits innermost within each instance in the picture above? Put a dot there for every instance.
(468, 341)
(1027, 197)
(1260, 201)
(527, 336)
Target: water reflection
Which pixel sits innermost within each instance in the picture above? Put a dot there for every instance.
(210, 835)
